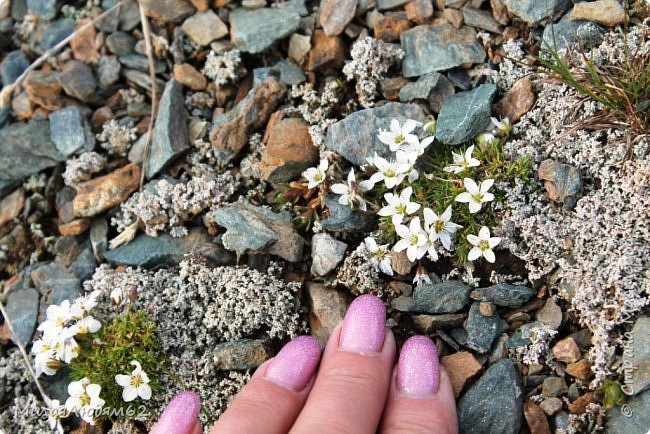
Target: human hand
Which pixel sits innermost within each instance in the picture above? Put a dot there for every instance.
(355, 390)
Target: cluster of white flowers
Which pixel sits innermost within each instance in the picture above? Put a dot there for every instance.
(224, 68)
(116, 138)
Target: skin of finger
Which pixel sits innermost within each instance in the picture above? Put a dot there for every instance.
(404, 415)
(262, 406)
(349, 392)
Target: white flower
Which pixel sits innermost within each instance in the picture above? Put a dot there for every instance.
(65, 347)
(429, 126)
(136, 384)
(421, 276)
(58, 316)
(316, 175)
(476, 195)
(55, 413)
(462, 162)
(84, 399)
(413, 239)
(483, 245)
(408, 158)
(117, 295)
(399, 206)
(350, 190)
(418, 146)
(502, 128)
(398, 135)
(485, 138)
(83, 305)
(379, 255)
(440, 227)
(44, 357)
(391, 172)
(85, 325)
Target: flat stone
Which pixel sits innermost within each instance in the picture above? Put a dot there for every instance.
(465, 115)
(566, 350)
(83, 44)
(521, 337)
(481, 330)
(440, 93)
(254, 229)
(567, 32)
(480, 19)
(241, 354)
(536, 419)
(461, 367)
(446, 297)
(141, 63)
(355, 137)
(580, 369)
(12, 66)
(188, 76)
(605, 12)
(431, 323)
(84, 264)
(327, 52)
(336, 14)
(419, 11)
(168, 10)
(11, 206)
(403, 303)
(635, 420)
(169, 136)
(75, 227)
(454, 16)
(70, 131)
(165, 250)
(45, 9)
(326, 253)
(550, 314)
(120, 43)
(431, 48)
(383, 5)
(44, 89)
(204, 27)
(554, 386)
(22, 308)
(78, 81)
(343, 219)
(562, 182)
(290, 73)
(102, 193)
(253, 31)
(108, 70)
(534, 12)
(494, 404)
(504, 294)
(299, 47)
(637, 355)
(55, 32)
(517, 101)
(55, 282)
(419, 89)
(550, 406)
(579, 405)
(327, 307)
(390, 27)
(460, 78)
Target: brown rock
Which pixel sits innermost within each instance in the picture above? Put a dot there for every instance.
(500, 12)
(327, 52)
(100, 117)
(562, 182)
(327, 307)
(336, 14)
(536, 419)
(579, 406)
(167, 10)
(607, 12)
(11, 206)
(461, 367)
(389, 28)
(204, 27)
(550, 406)
(486, 308)
(43, 89)
(437, 96)
(517, 101)
(567, 350)
(99, 194)
(419, 11)
(22, 106)
(400, 263)
(83, 44)
(201, 5)
(454, 16)
(430, 323)
(188, 76)
(390, 87)
(289, 150)
(4, 334)
(75, 227)
(77, 80)
(580, 369)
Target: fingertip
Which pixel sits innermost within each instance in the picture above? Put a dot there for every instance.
(181, 415)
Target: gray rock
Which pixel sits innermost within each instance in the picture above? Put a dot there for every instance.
(168, 10)
(165, 250)
(550, 314)
(481, 330)
(45, 9)
(343, 219)
(355, 137)
(55, 282)
(129, 15)
(554, 386)
(561, 421)
(459, 78)
(591, 34)
(534, 12)
(634, 421)
(204, 27)
(84, 264)
(170, 135)
(99, 237)
(480, 19)
(431, 323)
(14, 64)
(254, 229)
(25, 149)
(439, 47)
(336, 14)
(141, 63)
(636, 358)
(573, 393)
(566, 32)
(253, 31)
(120, 43)
(77, 80)
(403, 303)
(382, 5)
(326, 253)
(290, 73)
(504, 294)
(143, 80)
(419, 89)
(55, 32)
(108, 70)
(521, 337)
(563, 182)
(22, 308)
(56, 386)
(446, 297)
(241, 354)
(440, 93)
(327, 307)
(494, 404)
(18, 9)
(297, 6)
(109, 23)
(465, 115)
(70, 131)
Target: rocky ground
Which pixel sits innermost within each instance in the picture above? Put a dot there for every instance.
(205, 220)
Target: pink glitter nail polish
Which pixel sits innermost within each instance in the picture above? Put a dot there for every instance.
(418, 369)
(364, 326)
(180, 415)
(295, 363)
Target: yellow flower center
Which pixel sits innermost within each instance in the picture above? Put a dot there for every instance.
(484, 245)
(318, 176)
(136, 381)
(478, 197)
(389, 173)
(439, 226)
(85, 399)
(400, 209)
(414, 240)
(399, 138)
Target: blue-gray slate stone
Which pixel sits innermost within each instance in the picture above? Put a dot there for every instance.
(55, 32)
(165, 250)
(254, 229)
(521, 337)
(22, 308)
(44, 9)
(494, 404)
(431, 48)
(566, 32)
(446, 297)
(120, 43)
(108, 70)
(481, 330)
(14, 64)
(84, 264)
(419, 89)
(253, 31)
(355, 137)
(504, 294)
(534, 12)
(70, 131)
(170, 134)
(480, 19)
(343, 219)
(465, 115)
(141, 63)
(382, 5)
(634, 420)
(78, 80)
(55, 282)
(290, 73)
(562, 182)
(636, 358)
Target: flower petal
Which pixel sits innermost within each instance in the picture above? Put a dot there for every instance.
(129, 394)
(144, 391)
(339, 188)
(474, 207)
(474, 254)
(489, 256)
(123, 380)
(494, 241)
(484, 233)
(473, 239)
(464, 197)
(470, 185)
(486, 185)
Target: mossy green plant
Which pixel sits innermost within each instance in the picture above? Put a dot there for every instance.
(611, 394)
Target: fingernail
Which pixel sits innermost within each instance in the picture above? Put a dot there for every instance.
(418, 369)
(364, 326)
(295, 363)
(180, 415)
